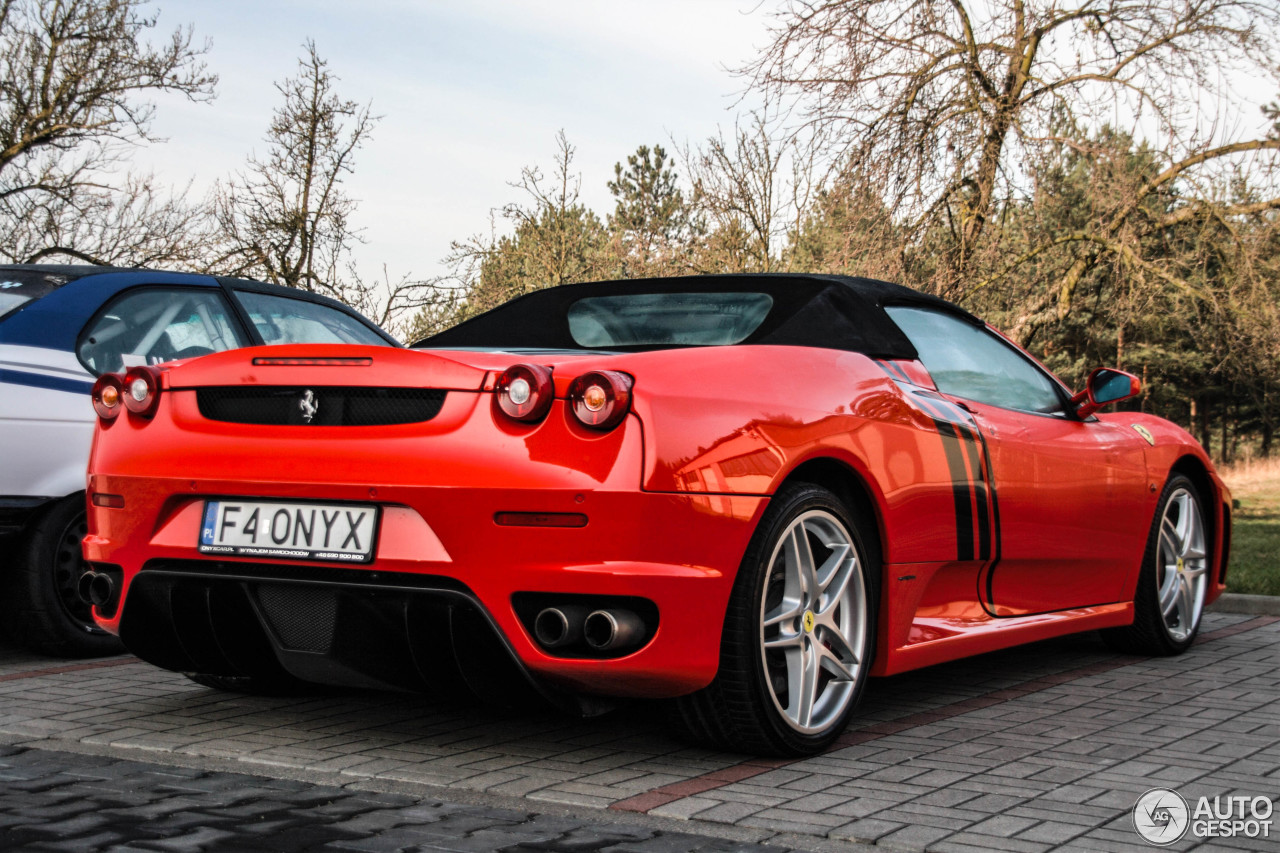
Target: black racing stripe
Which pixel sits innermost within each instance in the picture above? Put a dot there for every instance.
(980, 492)
(967, 428)
(902, 374)
(960, 486)
(989, 476)
(995, 523)
(895, 371)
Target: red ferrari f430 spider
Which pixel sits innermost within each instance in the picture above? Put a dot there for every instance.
(743, 494)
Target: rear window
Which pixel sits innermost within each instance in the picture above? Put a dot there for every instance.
(667, 319)
(281, 320)
(18, 288)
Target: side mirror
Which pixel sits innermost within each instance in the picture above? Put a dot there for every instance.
(1103, 387)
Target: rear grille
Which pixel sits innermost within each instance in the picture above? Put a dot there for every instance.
(303, 617)
(326, 406)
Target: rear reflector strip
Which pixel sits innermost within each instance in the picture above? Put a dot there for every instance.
(272, 361)
(540, 519)
(113, 501)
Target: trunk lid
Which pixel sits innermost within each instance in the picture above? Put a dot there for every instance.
(326, 365)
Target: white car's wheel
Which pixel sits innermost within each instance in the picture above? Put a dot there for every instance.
(42, 609)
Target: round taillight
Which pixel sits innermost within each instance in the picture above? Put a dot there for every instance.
(108, 394)
(525, 392)
(600, 399)
(141, 390)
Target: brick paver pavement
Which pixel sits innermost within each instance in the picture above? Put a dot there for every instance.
(1038, 748)
(53, 801)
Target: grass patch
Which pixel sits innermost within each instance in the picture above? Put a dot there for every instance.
(1255, 541)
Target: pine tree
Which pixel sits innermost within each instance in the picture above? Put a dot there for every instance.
(651, 219)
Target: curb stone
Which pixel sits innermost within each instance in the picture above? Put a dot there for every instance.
(1254, 605)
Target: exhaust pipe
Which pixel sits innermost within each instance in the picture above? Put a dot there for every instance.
(82, 586)
(557, 627)
(613, 630)
(95, 588)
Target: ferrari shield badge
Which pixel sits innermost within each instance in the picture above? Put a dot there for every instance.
(1145, 433)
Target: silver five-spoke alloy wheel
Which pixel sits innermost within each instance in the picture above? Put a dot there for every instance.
(1182, 562)
(813, 622)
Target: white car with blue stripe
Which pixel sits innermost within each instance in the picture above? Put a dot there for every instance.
(61, 327)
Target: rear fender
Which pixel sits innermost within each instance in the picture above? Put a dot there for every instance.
(723, 429)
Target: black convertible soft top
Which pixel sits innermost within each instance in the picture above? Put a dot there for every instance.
(829, 311)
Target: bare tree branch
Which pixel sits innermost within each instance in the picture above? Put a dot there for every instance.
(286, 218)
(75, 79)
(941, 102)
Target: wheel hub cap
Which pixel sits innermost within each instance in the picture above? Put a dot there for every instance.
(813, 618)
(1183, 565)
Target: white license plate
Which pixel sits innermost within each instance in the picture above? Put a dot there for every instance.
(341, 533)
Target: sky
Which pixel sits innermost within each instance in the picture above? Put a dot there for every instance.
(469, 94)
(471, 91)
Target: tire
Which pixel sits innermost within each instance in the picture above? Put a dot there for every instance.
(1169, 601)
(792, 665)
(41, 608)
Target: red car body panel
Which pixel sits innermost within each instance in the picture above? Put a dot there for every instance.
(431, 472)
(996, 527)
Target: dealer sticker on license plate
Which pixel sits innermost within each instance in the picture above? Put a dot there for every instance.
(302, 531)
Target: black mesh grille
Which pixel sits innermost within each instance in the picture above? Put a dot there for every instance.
(327, 406)
(303, 617)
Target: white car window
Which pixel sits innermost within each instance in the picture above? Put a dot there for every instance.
(156, 324)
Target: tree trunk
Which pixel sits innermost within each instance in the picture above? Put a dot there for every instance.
(1206, 435)
(1225, 440)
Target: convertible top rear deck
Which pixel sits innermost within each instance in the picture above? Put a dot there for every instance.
(826, 311)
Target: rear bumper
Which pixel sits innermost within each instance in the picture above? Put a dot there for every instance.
(439, 486)
(678, 552)
(443, 570)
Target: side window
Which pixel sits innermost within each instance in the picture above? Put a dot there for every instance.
(970, 362)
(281, 320)
(157, 324)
